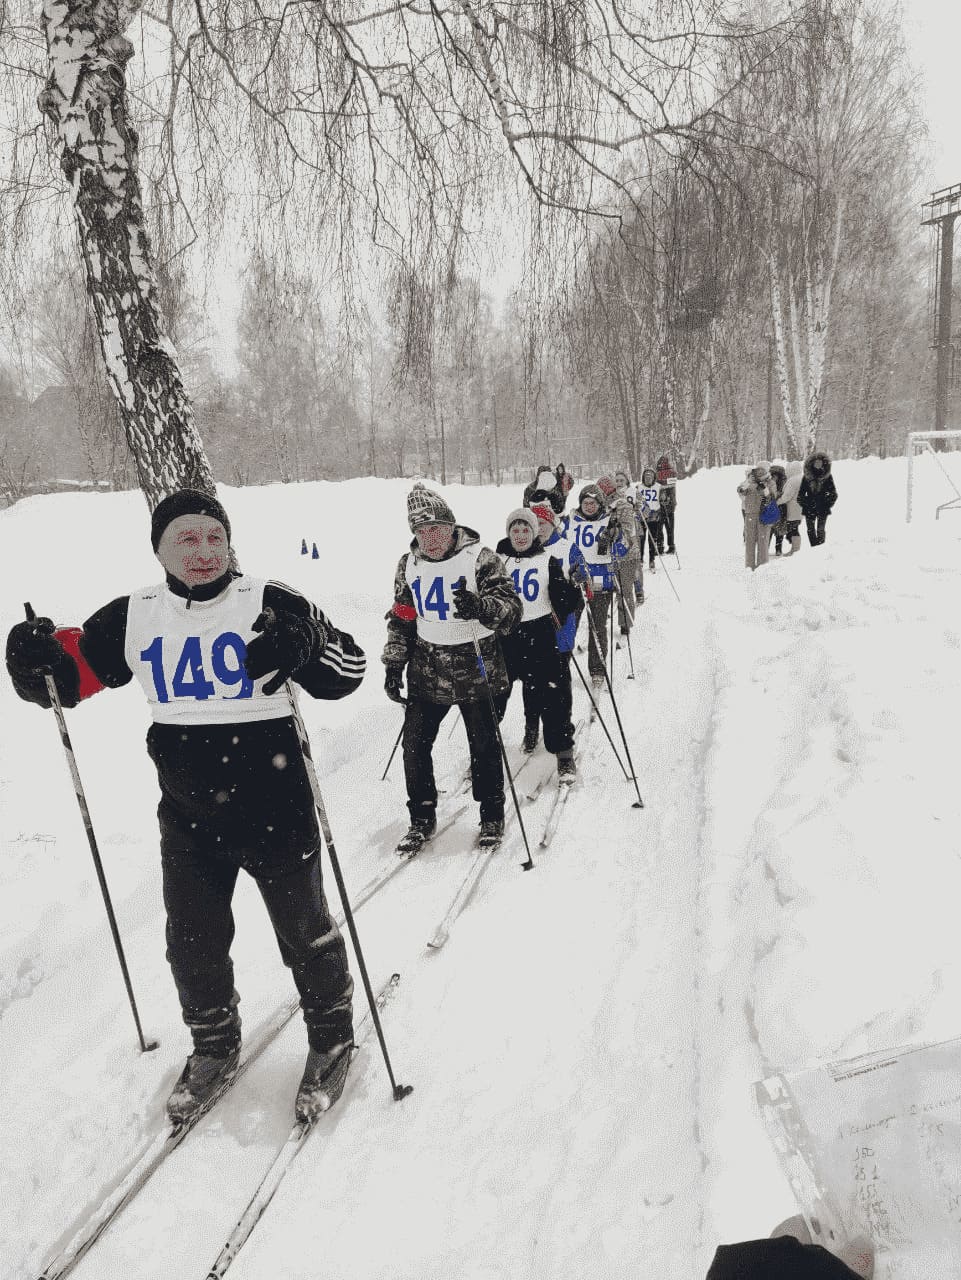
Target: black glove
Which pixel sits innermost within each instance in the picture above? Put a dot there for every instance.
(32, 648)
(394, 685)
(555, 570)
(286, 644)
(604, 542)
(466, 603)
(34, 652)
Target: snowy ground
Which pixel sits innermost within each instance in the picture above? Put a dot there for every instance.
(583, 1050)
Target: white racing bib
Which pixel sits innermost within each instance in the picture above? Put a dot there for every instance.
(584, 534)
(649, 498)
(529, 575)
(431, 584)
(190, 661)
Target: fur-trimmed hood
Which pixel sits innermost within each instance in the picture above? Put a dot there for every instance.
(814, 476)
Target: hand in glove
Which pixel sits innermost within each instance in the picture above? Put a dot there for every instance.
(466, 603)
(604, 542)
(555, 571)
(285, 644)
(394, 685)
(32, 648)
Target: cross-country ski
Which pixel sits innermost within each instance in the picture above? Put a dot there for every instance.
(272, 1179)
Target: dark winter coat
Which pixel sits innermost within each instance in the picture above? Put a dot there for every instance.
(781, 1259)
(532, 646)
(448, 674)
(817, 494)
(220, 785)
(553, 497)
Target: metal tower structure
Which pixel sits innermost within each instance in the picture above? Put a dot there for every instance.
(940, 212)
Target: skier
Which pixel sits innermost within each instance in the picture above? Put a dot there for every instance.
(448, 592)
(667, 479)
(630, 568)
(530, 650)
(564, 481)
(552, 531)
(545, 488)
(648, 499)
(597, 534)
(756, 490)
(817, 496)
(233, 783)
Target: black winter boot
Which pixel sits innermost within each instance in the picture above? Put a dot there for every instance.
(201, 1082)
(420, 831)
(532, 732)
(322, 1082)
(491, 833)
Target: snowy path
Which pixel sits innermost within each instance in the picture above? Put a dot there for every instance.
(584, 1047)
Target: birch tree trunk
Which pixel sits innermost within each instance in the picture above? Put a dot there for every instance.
(85, 99)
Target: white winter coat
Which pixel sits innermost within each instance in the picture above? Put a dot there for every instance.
(788, 498)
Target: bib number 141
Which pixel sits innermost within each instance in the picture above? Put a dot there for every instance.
(189, 679)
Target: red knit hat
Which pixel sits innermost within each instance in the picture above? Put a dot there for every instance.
(607, 486)
(544, 512)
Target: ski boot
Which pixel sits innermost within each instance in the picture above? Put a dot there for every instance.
(532, 733)
(201, 1080)
(322, 1082)
(419, 832)
(491, 833)
(566, 769)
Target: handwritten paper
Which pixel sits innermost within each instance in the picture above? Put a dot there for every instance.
(872, 1146)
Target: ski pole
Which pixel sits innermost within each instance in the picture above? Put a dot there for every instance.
(399, 1090)
(597, 711)
(145, 1045)
(627, 633)
(639, 803)
(659, 556)
(528, 865)
(390, 760)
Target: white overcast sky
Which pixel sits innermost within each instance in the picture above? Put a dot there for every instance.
(933, 30)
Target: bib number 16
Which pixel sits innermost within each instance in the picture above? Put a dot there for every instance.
(189, 679)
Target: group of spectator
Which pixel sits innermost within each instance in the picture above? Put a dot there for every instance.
(774, 499)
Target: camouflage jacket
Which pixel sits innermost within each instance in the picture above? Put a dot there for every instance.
(448, 674)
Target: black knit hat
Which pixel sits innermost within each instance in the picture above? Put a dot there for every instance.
(185, 502)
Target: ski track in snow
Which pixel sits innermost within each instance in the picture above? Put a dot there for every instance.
(583, 1049)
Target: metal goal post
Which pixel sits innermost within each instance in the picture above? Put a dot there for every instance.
(921, 441)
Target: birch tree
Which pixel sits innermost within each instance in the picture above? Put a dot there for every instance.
(328, 127)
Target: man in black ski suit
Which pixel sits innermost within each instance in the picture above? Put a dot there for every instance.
(233, 783)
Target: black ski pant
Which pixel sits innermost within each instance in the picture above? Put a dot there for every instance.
(546, 689)
(198, 888)
(653, 531)
(669, 530)
(422, 720)
(816, 527)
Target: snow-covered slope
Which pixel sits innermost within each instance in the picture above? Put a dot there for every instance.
(583, 1050)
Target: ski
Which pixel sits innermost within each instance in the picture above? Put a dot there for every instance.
(482, 859)
(154, 1150)
(152, 1155)
(555, 812)
(563, 791)
(285, 1157)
